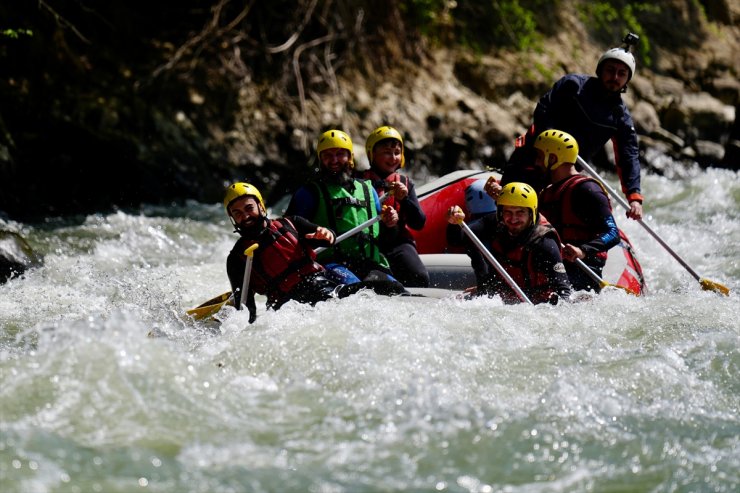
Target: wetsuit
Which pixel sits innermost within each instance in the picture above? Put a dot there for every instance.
(580, 211)
(396, 243)
(579, 105)
(532, 259)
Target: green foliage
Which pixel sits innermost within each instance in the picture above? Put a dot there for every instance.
(480, 25)
(613, 18)
(16, 33)
(431, 17)
(483, 25)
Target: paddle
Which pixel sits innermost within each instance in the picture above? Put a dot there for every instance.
(596, 278)
(352, 232)
(249, 252)
(705, 283)
(489, 256)
(213, 305)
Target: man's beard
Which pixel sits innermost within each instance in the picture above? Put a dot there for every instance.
(340, 178)
(252, 230)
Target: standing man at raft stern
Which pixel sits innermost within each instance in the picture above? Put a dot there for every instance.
(284, 266)
(334, 199)
(591, 109)
(384, 148)
(577, 206)
(526, 247)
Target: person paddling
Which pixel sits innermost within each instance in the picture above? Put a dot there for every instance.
(338, 201)
(284, 266)
(523, 243)
(591, 109)
(577, 206)
(385, 150)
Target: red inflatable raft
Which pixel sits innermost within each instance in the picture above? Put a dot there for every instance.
(450, 268)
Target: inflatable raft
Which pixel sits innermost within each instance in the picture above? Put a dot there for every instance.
(449, 268)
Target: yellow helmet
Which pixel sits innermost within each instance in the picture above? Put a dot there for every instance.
(558, 143)
(240, 189)
(335, 139)
(518, 194)
(382, 133)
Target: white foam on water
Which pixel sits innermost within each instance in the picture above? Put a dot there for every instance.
(107, 386)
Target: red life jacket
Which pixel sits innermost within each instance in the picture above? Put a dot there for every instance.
(519, 263)
(280, 262)
(379, 185)
(556, 203)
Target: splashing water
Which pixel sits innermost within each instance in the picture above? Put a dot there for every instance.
(367, 393)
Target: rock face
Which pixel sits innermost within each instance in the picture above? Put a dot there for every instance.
(90, 122)
(16, 255)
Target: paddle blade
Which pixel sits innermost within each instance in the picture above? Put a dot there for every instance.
(708, 285)
(210, 307)
(605, 284)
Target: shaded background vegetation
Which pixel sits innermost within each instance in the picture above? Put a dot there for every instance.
(117, 103)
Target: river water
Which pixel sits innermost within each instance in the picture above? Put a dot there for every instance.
(105, 385)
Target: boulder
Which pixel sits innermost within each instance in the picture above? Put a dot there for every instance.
(708, 153)
(16, 255)
(645, 116)
(707, 115)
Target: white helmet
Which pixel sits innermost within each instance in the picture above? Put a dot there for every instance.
(621, 55)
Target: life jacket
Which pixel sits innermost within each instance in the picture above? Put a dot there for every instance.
(519, 262)
(342, 210)
(379, 184)
(281, 261)
(556, 203)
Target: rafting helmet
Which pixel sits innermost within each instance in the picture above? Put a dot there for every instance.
(380, 134)
(621, 55)
(518, 194)
(560, 144)
(241, 189)
(335, 139)
(477, 201)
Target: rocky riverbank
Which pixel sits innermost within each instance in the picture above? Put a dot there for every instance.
(145, 106)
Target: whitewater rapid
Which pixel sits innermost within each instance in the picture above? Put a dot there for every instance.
(106, 385)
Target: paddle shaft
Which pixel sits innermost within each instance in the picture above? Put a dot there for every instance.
(624, 204)
(359, 227)
(352, 232)
(217, 306)
(593, 275)
(489, 256)
(249, 252)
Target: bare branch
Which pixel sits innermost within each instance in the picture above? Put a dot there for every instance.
(211, 29)
(292, 39)
(61, 20)
(299, 79)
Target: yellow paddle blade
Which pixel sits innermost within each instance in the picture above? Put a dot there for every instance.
(211, 306)
(605, 284)
(708, 285)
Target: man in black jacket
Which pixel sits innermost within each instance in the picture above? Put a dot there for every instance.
(590, 109)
